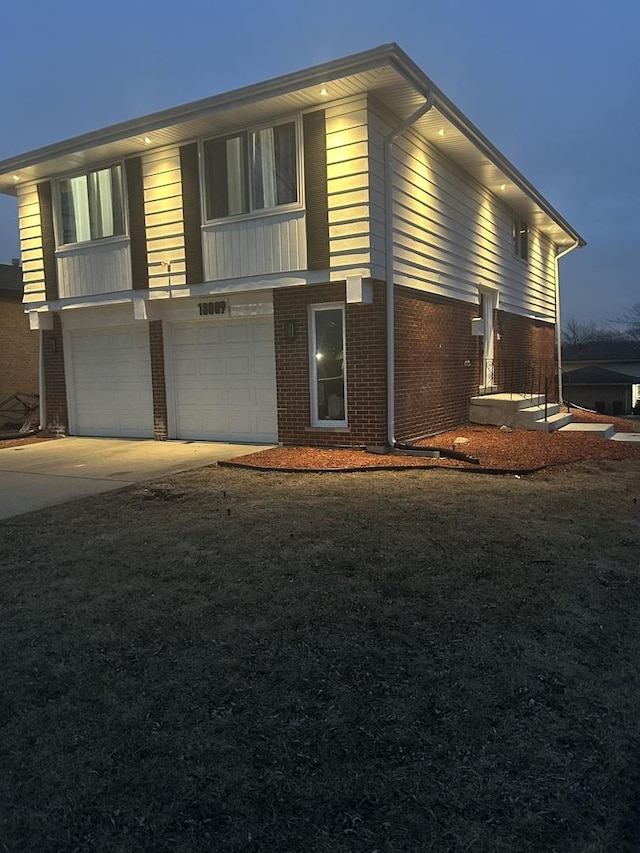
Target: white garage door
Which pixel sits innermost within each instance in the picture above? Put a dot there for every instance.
(109, 382)
(224, 377)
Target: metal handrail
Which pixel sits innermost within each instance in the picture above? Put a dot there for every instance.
(523, 378)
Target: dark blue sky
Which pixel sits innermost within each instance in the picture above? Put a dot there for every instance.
(554, 84)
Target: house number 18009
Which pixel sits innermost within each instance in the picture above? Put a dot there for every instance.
(206, 308)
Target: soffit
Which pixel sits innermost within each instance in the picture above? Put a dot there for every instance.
(386, 73)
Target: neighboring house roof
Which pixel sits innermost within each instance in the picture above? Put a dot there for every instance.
(386, 72)
(612, 350)
(598, 376)
(10, 281)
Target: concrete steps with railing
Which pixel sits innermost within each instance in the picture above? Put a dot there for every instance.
(518, 411)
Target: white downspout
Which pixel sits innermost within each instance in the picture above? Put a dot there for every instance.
(388, 203)
(41, 383)
(559, 255)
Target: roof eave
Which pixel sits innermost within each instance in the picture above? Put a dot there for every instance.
(245, 95)
(390, 55)
(448, 109)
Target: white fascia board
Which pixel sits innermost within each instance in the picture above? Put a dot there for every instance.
(388, 55)
(316, 75)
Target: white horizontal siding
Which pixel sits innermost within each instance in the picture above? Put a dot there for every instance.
(164, 217)
(31, 244)
(378, 130)
(94, 268)
(451, 234)
(266, 244)
(349, 193)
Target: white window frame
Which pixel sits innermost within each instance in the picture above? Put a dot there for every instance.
(253, 213)
(57, 200)
(521, 239)
(313, 365)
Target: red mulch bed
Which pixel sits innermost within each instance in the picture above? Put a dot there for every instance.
(583, 416)
(515, 451)
(17, 442)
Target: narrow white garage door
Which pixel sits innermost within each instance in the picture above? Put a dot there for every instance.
(224, 380)
(109, 382)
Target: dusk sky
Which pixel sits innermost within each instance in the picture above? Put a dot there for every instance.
(555, 85)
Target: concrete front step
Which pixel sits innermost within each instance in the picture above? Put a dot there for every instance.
(602, 430)
(626, 436)
(517, 410)
(520, 401)
(557, 420)
(536, 413)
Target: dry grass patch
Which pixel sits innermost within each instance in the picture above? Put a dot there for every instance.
(412, 661)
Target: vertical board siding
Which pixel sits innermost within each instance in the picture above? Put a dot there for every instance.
(190, 177)
(350, 197)
(135, 202)
(268, 244)
(450, 234)
(31, 243)
(94, 268)
(45, 200)
(315, 186)
(164, 217)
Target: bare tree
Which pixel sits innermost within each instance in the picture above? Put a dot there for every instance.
(631, 320)
(577, 334)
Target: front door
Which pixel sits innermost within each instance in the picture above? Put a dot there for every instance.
(487, 310)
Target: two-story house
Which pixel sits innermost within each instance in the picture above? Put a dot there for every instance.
(332, 257)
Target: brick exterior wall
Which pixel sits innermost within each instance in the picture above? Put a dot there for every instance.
(158, 382)
(526, 355)
(19, 350)
(365, 331)
(57, 415)
(433, 383)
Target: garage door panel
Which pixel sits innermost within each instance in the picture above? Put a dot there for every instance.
(237, 334)
(185, 366)
(267, 425)
(262, 366)
(264, 397)
(208, 335)
(240, 397)
(109, 377)
(192, 397)
(239, 365)
(210, 367)
(224, 380)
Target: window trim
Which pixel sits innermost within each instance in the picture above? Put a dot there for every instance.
(520, 241)
(315, 421)
(57, 202)
(261, 212)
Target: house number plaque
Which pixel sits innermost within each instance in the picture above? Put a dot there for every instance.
(207, 309)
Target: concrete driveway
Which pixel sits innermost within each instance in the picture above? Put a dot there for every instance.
(34, 476)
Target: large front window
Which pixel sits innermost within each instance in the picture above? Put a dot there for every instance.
(92, 206)
(251, 171)
(328, 366)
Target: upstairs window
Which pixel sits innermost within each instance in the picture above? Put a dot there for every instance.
(520, 239)
(251, 171)
(92, 206)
